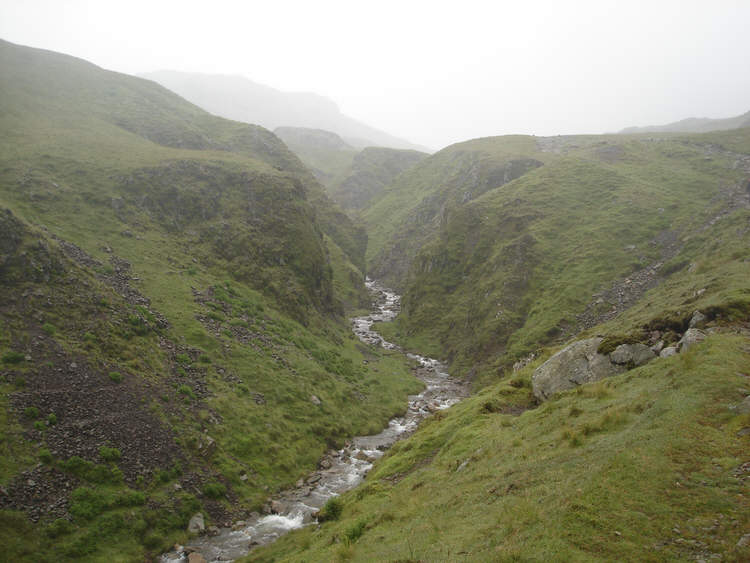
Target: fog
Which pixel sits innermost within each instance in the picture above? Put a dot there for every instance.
(429, 71)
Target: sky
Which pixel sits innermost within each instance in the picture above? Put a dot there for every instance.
(432, 72)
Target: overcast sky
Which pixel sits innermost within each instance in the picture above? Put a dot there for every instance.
(432, 72)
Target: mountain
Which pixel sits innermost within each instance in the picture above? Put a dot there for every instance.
(352, 178)
(695, 125)
(595, 290)
(241, 99)
(173, 334)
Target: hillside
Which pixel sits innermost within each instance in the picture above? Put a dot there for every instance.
(172, 334)
(530, 249)
(695, 125)
(241, 99)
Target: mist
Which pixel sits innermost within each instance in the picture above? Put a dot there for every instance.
(434, 73)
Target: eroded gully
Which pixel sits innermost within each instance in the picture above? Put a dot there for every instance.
(339, 470)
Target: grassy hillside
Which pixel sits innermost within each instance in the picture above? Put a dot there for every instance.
(493, 277)
(173, 287)
(695, 125)
(623, 239)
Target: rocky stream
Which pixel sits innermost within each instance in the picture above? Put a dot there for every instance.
(339, 470)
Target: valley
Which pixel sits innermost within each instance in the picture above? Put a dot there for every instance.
(219, 342)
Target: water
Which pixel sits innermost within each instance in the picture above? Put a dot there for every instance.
(339, 470)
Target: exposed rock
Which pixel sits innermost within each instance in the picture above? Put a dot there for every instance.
(698, 320)
(658, 347)
(196, 525)
(668, 351)
(213, 531)
(314, 400)
(325, 463)
(196, 557)
(744, 541)
(637, 353)
(574, 365)
(744, 406)
(691, 336)
(207, 446)
(276, 507)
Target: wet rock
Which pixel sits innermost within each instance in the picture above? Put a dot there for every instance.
(213, 531)
(197, 525)
(276, 507)
(196, 557)
(698, 320)
(692, 336)
(637, 354)
(572, 366)
(325, 463)
(239, 525)
(668, 351)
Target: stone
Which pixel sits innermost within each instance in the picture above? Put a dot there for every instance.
(196, 557)
(744, 406)
(698, 320)
(668, 351)
(325, 463)
(574, 365)
(197, 525)
(637, 353)
(692, 336)
(314, 400)
(658, 347)
(207, 446)
(744, 541)
(276, 507)
(239, 525)
(213, 531)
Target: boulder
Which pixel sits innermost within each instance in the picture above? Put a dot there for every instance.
(668, 351)
(698, 320)
(213, 531)
(197, 525)
(691, 336)
(196, 557)
(637, 354)
(658, 347)
(314, 399)
(574, 365)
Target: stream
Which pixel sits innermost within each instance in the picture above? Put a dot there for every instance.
(339, 470)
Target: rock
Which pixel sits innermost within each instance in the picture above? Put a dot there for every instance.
(668, 351)
(314, 400)
(243, 477)
(197, 525)
(691, 336)
(213, 531)
(744, 406)
(239, 525)
(658, 347)
(574, 365)
(637, 353)
(698, 320)
(196, 557)
(207, 446)
(300, 483)
(744, 541)
(325, 463)
(276, 507)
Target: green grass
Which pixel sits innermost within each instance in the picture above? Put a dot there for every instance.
(605, 472)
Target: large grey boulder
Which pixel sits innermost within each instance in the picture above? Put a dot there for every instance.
(636, 354)
(668, 351)
(196, 525)
(691, 336)
(572, 366)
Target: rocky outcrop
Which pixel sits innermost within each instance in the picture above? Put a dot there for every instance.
(196, 525)
(572, 366)
(692, 336)
(632, 355)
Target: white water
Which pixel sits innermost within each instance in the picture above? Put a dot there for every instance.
(343, 469)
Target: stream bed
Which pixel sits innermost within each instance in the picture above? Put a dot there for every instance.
(339, 470)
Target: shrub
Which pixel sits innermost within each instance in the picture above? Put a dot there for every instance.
(109, 454)
(186, 390)
(49, 328)
(214, 490)
(204, 359)
(58, 528)
(182, 358)
(331, 510)
(39, 425)
(31, 412)
(115, 376)
(45, 456)
(13, 357)
(354, 532)
(52, 419)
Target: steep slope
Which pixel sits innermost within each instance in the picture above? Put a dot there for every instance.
(695, 125)
(617, 237)
(371, 171)
(236, 97)
(172, 338)
(326, 154)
